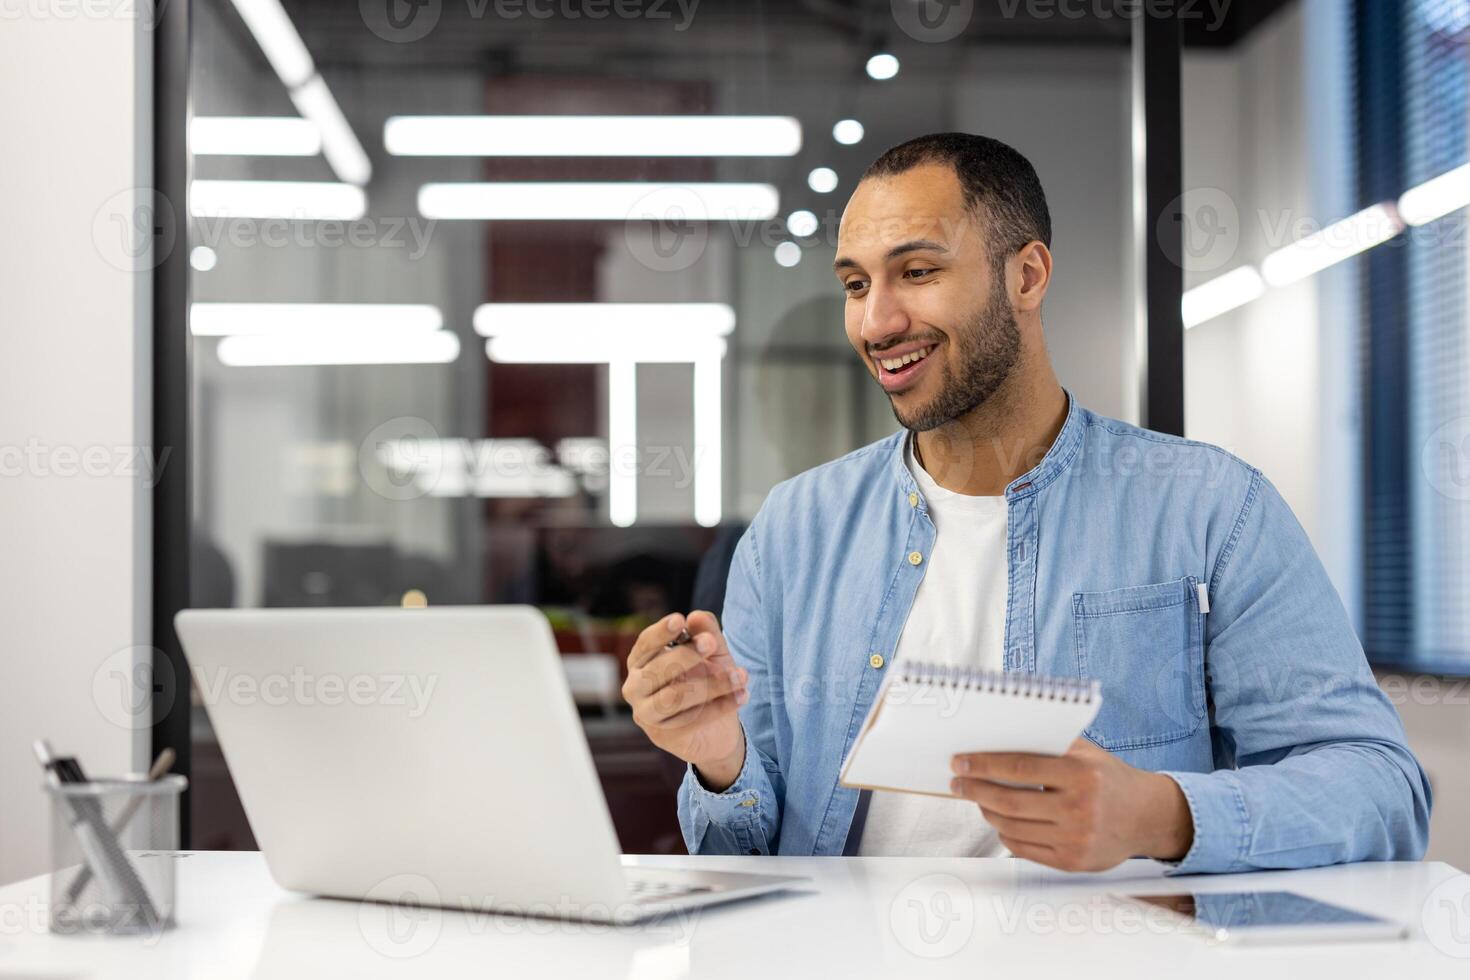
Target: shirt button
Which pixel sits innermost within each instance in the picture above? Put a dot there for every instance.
(876, 660)
(913, 500)
(915, 557)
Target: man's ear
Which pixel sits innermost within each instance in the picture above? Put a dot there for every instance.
(1033, 262)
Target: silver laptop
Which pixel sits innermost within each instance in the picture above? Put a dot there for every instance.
(429, 756)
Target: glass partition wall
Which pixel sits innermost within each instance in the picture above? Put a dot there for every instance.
(533, 302)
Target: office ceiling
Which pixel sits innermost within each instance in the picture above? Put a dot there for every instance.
(502, 35)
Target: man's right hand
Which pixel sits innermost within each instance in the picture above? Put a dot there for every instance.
(686, 697)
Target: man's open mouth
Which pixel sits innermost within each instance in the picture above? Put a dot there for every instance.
(893, 365)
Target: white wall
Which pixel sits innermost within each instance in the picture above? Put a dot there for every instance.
(1068, 110)
(1274, 381)
(73, 401)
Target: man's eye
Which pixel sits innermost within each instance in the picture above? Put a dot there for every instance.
(918, 273)
(854, 285)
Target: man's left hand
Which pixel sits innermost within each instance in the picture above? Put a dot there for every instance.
(1093, 811)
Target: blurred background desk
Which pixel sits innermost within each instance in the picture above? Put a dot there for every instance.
(859, 917)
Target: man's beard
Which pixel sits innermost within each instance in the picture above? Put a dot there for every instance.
(987, 348)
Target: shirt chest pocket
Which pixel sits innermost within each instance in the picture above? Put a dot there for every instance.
(1145, 644)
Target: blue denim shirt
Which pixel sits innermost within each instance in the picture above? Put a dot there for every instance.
(1255, 698)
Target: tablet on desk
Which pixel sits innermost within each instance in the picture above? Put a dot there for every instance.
(1268, 917)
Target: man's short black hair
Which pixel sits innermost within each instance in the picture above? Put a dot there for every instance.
(992, 175)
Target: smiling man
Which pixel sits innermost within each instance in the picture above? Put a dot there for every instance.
(1007, 527)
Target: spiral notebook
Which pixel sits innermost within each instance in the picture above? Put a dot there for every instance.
(924, 714)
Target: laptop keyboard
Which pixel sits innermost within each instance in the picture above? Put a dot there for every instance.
(660, 889)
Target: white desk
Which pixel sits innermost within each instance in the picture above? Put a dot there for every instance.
(860, 917)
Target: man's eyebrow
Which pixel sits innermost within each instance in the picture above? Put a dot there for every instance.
(917, 245)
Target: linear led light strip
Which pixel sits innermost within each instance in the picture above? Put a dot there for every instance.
(283, 48)
(303, 200)
(339, 347)
(294, 334)
(291, 319)
(1418, 205)
(1291, 263)
(622, 336)
(261, 136)
(597, 201)
(597, 136)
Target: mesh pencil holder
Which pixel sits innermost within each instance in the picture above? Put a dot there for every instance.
(111, 855)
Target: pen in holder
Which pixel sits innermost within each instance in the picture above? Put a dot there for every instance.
(111, 844)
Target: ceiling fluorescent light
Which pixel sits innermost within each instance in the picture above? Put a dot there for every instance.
(626, 319)
(339, 347)
(294, 199)
(622, 201)
(283, 48)
(1436, 198)
(253, 136)
(278, 40)
(1221, 295)
(622, 442)
(344, 153)
(595, 347)
(1338, 241)
(708, 453)
(592, 136)
(230, 319)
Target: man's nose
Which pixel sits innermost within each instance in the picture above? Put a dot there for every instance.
(884, 317)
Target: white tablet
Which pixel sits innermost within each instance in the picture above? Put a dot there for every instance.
(1267, 917)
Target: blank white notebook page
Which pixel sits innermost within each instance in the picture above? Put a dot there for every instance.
(924, 715)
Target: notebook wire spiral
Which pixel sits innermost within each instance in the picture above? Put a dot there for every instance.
(1038, 686)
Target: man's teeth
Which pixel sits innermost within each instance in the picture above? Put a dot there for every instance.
(894, 363)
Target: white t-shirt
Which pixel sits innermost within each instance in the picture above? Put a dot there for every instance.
(958, 617)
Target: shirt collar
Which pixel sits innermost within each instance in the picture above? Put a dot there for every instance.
(1063, 450)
